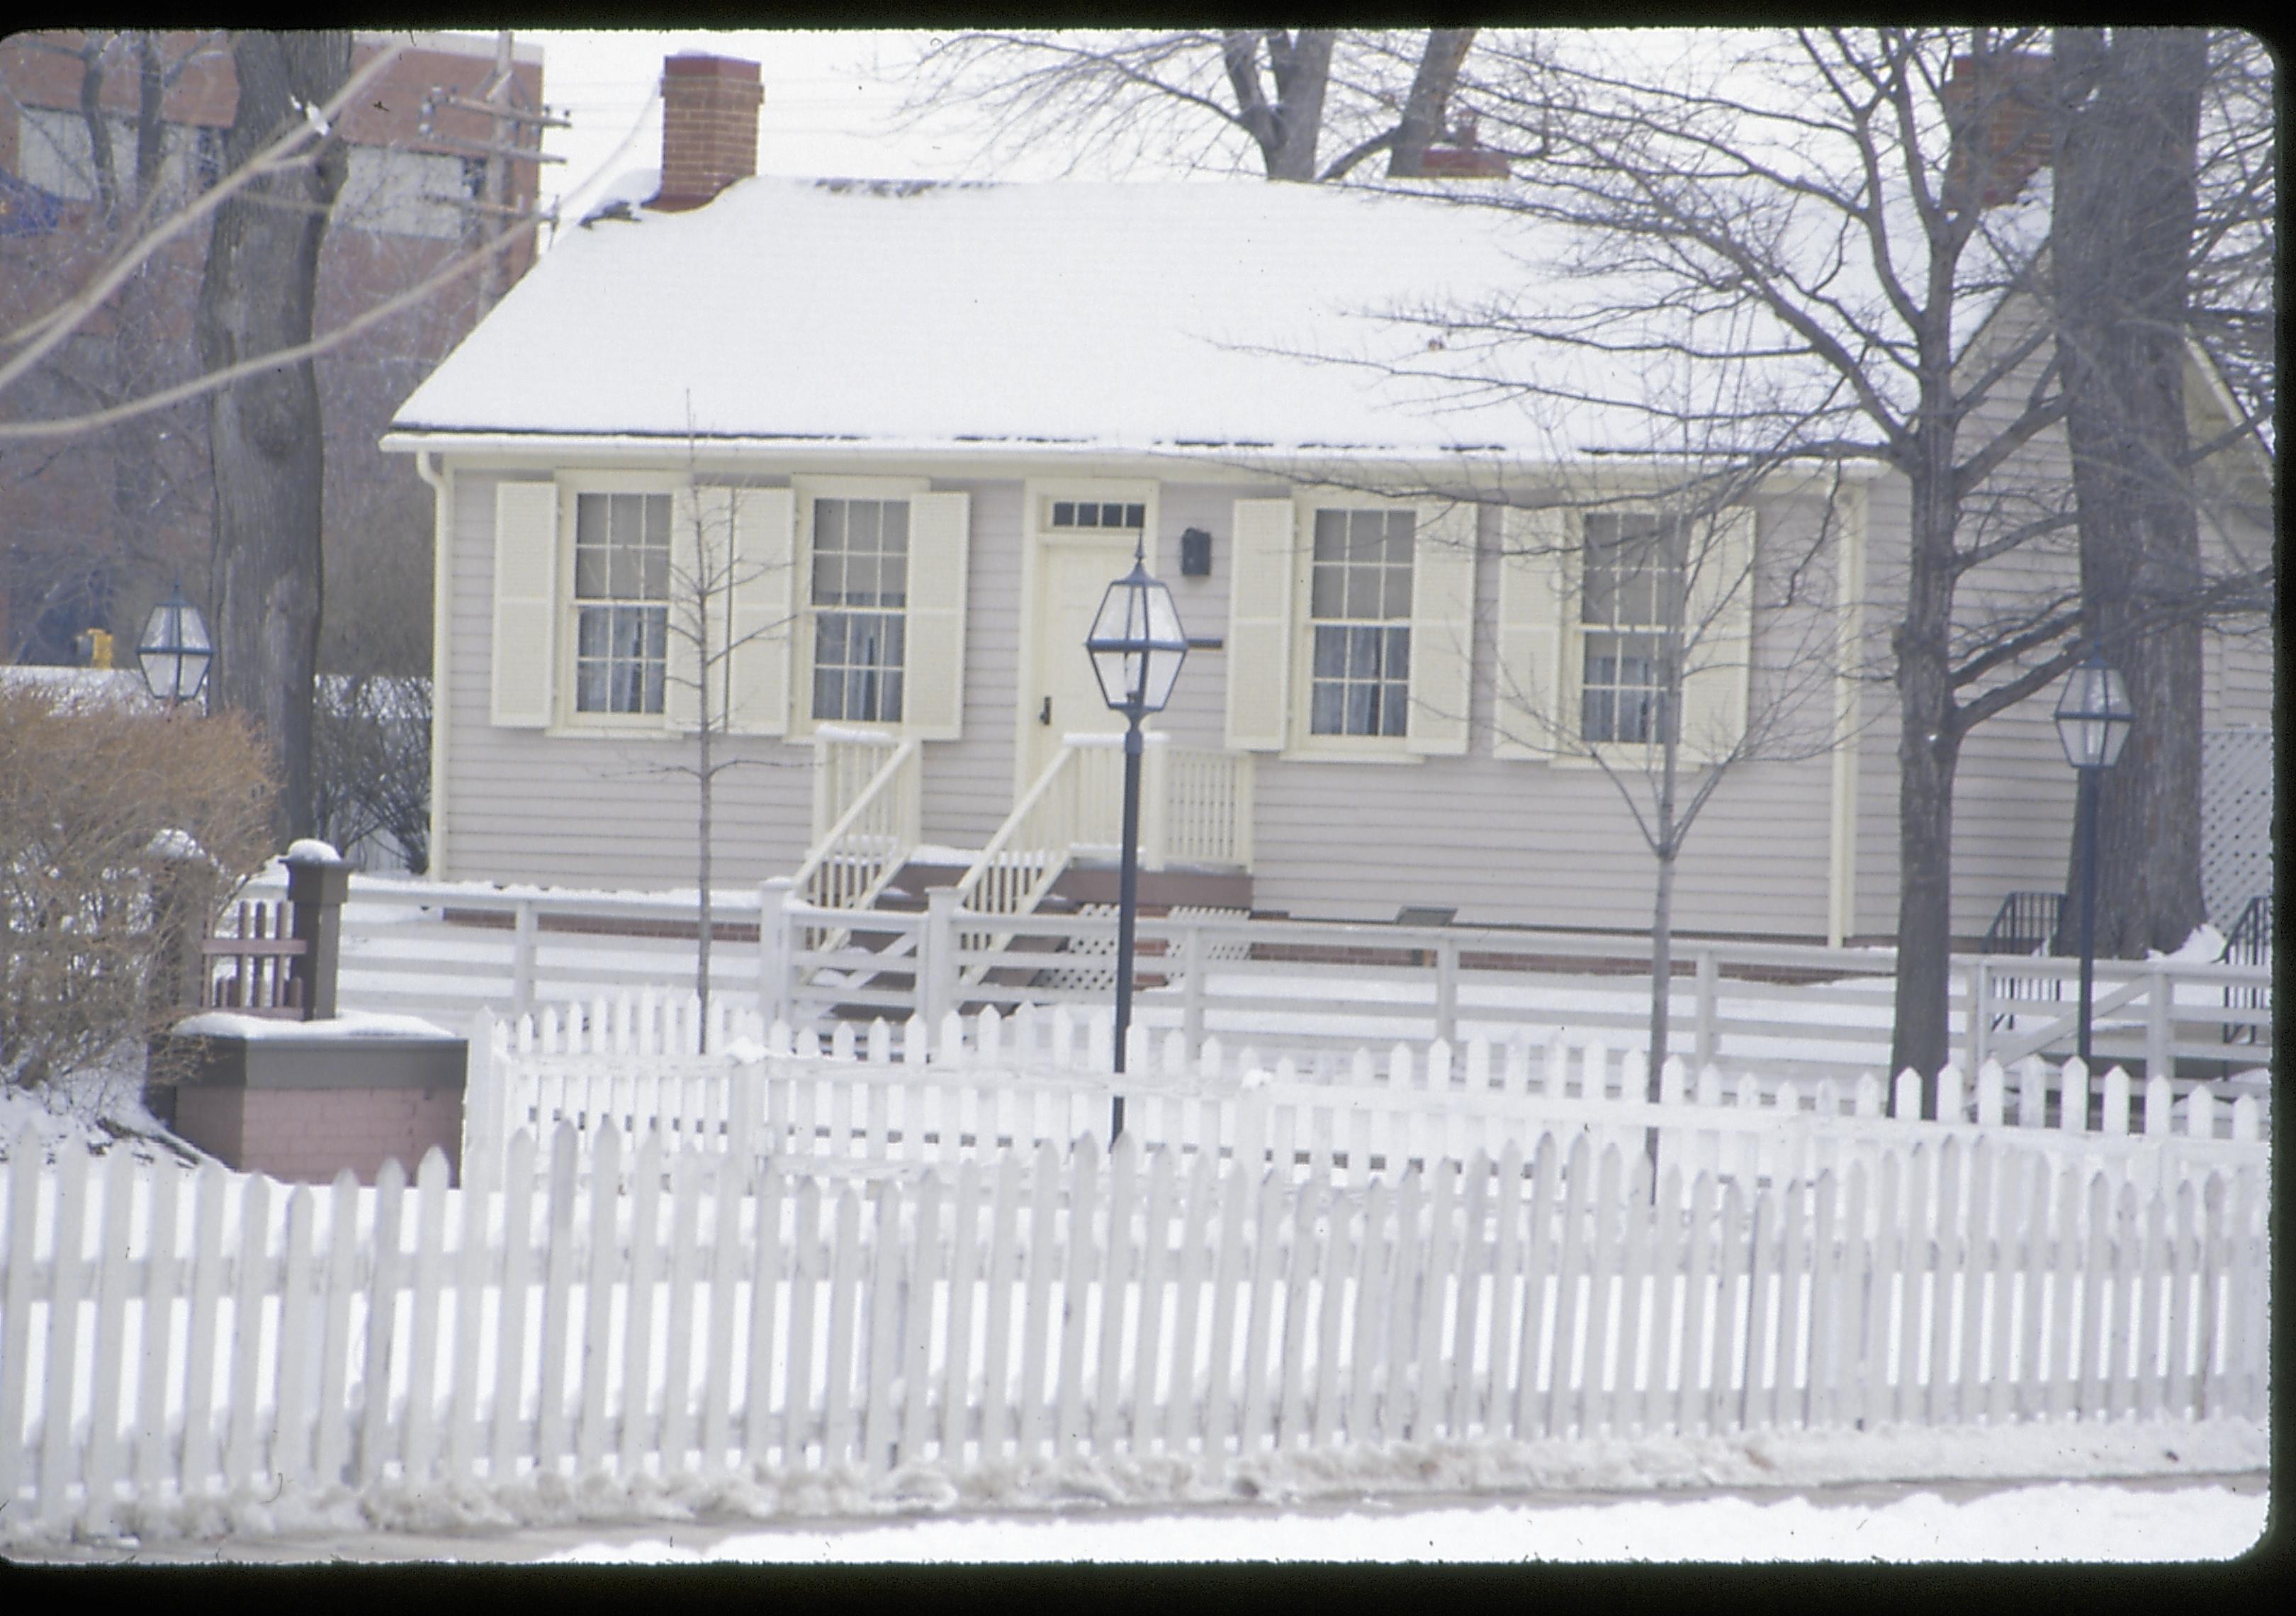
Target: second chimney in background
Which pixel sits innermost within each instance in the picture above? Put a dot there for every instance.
(708, 128)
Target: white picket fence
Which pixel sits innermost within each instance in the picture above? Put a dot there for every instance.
(990, 1085)
(175, 1343)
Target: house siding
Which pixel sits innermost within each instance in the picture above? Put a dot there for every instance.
(2014, 795)
(1532, 842)
(524, 805)
(1501, 840)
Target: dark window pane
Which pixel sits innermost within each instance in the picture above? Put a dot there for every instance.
(1399, 591)
(654, 574)
(893, 528)
(1326, 588)
(1331, 652)
(1398, 653)
(1064, 513)
(862, 518)
(1331, 536)
(890, 697)
(657, 519)
(1362, 598)
(1395, 700)
(1324, 716)
(1135, 516)
(828, 525)
(590, 519)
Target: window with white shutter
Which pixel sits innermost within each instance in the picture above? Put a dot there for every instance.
(525, 603)
(1532, 712)
(1652, 636)
(878, 605)
(1260, 581)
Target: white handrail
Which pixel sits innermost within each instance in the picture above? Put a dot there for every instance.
(875, 835)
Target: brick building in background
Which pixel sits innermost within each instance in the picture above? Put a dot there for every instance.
(94, 527)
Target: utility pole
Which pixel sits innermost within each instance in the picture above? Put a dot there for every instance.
(505, 144)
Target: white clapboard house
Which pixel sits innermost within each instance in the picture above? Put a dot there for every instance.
(913, 431)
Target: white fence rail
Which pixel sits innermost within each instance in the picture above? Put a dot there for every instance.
(1297, 985)
(887, 1099)
(177, 1343)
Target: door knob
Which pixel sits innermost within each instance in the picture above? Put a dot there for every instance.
(1045, 715)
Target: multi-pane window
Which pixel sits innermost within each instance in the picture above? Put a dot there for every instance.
(1359, 602)
(1098, 513)
(621, 602)
(860, 591)
(1630, 612)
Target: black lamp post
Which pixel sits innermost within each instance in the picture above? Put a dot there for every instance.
(175, 651)
(2093, 718)
(1136, 646)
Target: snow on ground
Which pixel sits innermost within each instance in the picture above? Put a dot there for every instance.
(2214, 1520)
(2058, 1522)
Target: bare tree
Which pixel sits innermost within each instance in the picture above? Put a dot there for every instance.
(2128, 110)
(1821, 215)
(99, 375)
(1694, 651)
(723, 598)
(1230, 99)
(265, 435)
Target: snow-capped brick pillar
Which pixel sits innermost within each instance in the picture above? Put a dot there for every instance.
(300, 1100)
(708, 128)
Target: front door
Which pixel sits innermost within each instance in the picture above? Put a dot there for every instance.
(1060, 696)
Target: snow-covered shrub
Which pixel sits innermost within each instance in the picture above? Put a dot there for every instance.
(122, 832)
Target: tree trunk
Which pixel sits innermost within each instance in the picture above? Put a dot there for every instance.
(2125, 200)
(263, 432)
(1438, 76)
(1666, 846)
(1929, 746)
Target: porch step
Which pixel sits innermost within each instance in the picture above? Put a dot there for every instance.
(1087, 881)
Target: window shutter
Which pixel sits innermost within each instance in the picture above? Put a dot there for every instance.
(1535, 705)
(697, 539)
(1442, 631)
(526, 603)
(1260, 626)
(758, 686)
(932, 683)
(1720, 627)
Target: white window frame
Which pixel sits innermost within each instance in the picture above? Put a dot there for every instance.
(1729, 632)
(805, 491)
(1674, 636)
(1304, 744)
(567, 719)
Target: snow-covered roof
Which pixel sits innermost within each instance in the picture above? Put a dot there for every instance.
(1118, 316)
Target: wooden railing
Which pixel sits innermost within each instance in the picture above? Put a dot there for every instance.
(1036, 842)
(865, 810)
(251, 969)
(1196, 806)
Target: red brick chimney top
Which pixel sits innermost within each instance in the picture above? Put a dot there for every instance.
(708, 128)
(2001, 105)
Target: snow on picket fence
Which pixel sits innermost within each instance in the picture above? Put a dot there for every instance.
(990, 1084)
(177, 1345)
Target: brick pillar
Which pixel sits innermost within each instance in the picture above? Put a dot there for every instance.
(708, 128)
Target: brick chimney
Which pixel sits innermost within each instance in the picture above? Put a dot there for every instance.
(1466, 158)
(2000, 105)
(708, 128)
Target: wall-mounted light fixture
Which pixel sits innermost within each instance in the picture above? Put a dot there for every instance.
(1195, 553)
